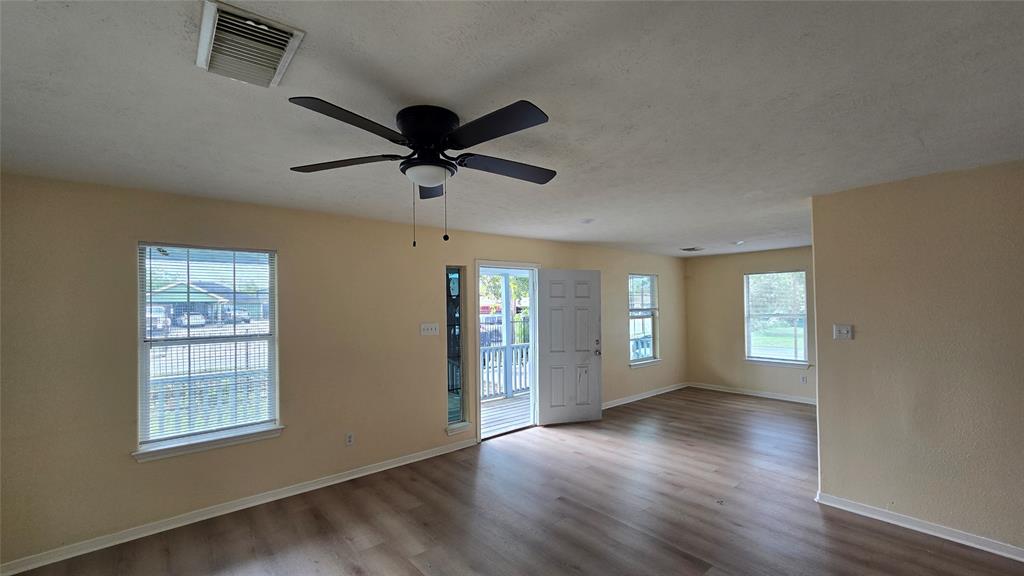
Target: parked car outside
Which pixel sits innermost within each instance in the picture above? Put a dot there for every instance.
(491, 330)
(157, 321)
(191, 320)
(234, 315)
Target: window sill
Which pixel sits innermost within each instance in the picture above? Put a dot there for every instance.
(643, 363)
(780, 363)
(209, 441)
(457, 428)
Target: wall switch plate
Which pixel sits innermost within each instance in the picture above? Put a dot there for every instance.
(350, 439)
(842, 331)
(429, 329)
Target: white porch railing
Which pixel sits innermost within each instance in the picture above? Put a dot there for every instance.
(504, 371)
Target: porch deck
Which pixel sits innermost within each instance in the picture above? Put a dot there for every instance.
(504, 415)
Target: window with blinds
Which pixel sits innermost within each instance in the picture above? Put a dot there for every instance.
(776, 316)
(643, 317)
(207, 342)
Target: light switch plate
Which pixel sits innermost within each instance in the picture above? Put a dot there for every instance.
(842, 331)
(429, 329)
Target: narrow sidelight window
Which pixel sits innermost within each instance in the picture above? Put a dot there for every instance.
(776, 316)
(207, 344)
(643, 318)
(454, 331)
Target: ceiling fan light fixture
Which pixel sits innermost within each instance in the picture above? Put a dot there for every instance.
(427, 175)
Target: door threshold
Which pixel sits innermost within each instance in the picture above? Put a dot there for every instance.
(507, 432)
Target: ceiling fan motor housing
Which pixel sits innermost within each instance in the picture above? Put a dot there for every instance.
(426, 126)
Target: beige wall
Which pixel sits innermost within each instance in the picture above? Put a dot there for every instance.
(352, 294)
(716, 344)
(923, 412)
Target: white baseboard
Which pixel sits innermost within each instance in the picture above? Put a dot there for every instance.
(744, 391)
(749, 392)
(959, 536)
(100, 542)
(640, 396)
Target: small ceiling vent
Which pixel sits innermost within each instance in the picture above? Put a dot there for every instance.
(245, 46)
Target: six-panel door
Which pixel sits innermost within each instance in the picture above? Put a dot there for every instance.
(569, 346)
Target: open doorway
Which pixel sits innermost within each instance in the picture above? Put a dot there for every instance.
(506, 352)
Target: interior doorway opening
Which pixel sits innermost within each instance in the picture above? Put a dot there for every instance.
(506, 353)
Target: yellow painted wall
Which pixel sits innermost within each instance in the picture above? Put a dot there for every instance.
(716, 344)
(923, 412)
(352, 294)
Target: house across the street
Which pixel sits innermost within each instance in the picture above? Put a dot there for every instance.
(213, 300)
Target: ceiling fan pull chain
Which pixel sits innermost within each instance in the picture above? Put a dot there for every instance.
(414, 215)
(445, 193)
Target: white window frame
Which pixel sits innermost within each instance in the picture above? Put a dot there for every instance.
(650, 312)
(206, 440)
(747, 316)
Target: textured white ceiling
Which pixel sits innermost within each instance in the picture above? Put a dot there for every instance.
(671, 124)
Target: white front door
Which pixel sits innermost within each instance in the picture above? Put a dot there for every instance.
(569, 350)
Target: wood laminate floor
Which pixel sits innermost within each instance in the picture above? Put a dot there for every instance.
(691, 482)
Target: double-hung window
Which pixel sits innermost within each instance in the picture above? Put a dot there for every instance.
(776, 316)
(643, 318)
(207, 347)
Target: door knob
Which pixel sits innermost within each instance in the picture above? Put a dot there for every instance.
(597, 352)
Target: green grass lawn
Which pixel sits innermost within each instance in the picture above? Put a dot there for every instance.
(782, 336)
(777, 342)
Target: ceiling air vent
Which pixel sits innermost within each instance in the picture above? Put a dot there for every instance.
(245, 46)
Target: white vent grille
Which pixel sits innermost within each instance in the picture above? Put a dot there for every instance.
(244, 46)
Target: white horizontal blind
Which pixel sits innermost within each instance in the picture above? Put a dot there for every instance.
(643, 317)
(776, 316)
(207, 340)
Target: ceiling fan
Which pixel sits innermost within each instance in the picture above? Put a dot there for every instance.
(430, 131)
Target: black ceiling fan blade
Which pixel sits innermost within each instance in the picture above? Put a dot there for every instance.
(346, 162)
(511, 118)
(428, 192)
(509, 168)
(328, 109)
